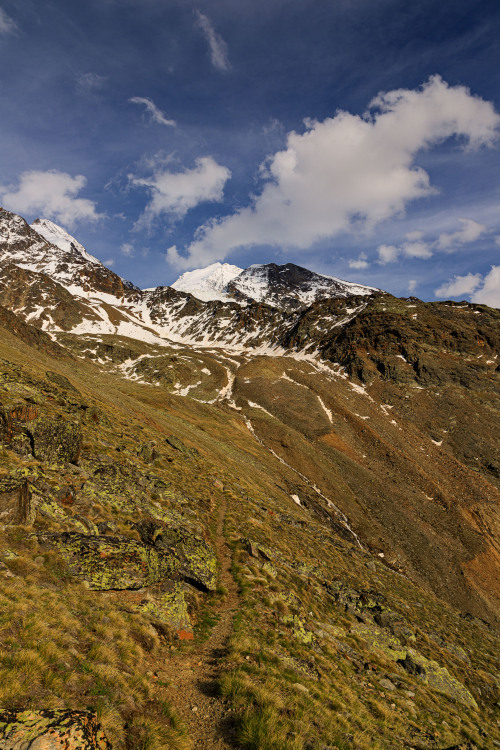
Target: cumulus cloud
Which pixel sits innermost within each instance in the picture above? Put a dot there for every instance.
(348, 172)
(217, 46)
(361, 262)
(489, 292)
(459, 286)
(175, 193)
(470, 231)
(387, 253)
(52, 195)
(156, 115)
(7, 25)
(484, 290)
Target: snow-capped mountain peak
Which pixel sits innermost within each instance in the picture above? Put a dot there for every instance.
(58, 236)
(207, 283)
(290, 287)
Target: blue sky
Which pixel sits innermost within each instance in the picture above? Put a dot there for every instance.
(356, 138)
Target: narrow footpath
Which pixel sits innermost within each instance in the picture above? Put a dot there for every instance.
(194, 673)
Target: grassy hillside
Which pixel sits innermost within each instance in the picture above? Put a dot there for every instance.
(192, 572)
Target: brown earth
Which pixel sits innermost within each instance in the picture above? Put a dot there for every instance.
(190, 677)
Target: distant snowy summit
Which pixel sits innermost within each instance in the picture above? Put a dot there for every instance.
(207, 283)
(58, 236)
(287, 287)
(46, 248)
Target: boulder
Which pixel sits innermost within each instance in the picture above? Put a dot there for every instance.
(61, 380)
(170, 607)
(436, 677)
(55, 440)
(112, 563)
(148, 452)
(197, 560)
(51, 730)
(13, 420)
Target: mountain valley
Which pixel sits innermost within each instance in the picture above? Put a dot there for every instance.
(265, 517)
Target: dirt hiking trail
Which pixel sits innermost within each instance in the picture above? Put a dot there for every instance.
(193, 673)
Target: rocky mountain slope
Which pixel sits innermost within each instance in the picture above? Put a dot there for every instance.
(230, 525)
(287, 287)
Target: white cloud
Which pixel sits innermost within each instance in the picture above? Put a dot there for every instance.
(347, 173)
(470, 231)
(155, 113)
(175, 193)
(387, 253)
(361, 262)
(127, 249)
(489, 293)
(416, 250)
(412, 285)
(7, 25)
(459, 286)
(484, 290)
(414, 236)
(90, 82)
(109, 262)
(52, 195)
(217, 45)
(416, 247)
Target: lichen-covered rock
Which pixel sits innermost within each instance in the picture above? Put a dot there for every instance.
(16, 505)
(197, 560)
(170, 607)
(148, 452)
(55, 440)
(299, 628)
(380, 639)
(61, 380)
(178, 445)
(94, 415)
(13, 420)
(108, 563)
(51, 730)
(438, 678)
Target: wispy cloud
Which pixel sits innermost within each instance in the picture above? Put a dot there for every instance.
(470, 231)
(51, 195)
(217, 45)
(156, 115)
(90, 82)
(414, 246)
(127, 249)
(7, 25)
